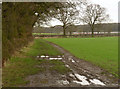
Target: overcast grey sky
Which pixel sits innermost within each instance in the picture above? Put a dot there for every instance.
(111, 6)
(111, 9)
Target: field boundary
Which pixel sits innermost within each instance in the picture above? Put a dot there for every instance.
(81, 35)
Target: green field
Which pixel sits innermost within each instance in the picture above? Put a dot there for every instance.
(102, 51)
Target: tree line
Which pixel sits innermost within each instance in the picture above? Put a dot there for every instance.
(80, 12)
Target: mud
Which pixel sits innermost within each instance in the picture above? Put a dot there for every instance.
(87, 69)
(82, 73)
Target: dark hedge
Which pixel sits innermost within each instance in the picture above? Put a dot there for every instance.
(17, 22)
(18, 19)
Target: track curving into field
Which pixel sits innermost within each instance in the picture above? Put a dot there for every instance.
(82, 74)
(93, 74)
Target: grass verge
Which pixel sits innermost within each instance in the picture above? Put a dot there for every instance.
(23, 63)
(41, 47)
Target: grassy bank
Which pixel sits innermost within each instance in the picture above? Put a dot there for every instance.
(23, 63)
(101, 51)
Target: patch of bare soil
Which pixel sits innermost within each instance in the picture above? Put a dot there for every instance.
(82, 73)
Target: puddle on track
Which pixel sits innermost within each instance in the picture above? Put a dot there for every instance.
(50, 57)
(55, 58)
(63, 82)
(67, 66)
(76, 78)
(97, 82)
(83, 80)
(71, 59)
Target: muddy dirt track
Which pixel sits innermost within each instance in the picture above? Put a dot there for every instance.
(83, 74)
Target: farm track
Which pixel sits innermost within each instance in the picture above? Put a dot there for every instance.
(81, 75)
(87, 69)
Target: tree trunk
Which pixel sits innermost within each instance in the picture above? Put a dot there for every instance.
(92, 31)
(64, 33)
(70, 33)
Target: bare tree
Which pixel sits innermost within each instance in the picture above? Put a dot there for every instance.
(67, 15)
(94, 14)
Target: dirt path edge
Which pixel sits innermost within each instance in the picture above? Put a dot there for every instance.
(88, 67)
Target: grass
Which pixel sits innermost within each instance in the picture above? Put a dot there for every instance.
(102, 51)
(55, 65)
(41, 47)
(17, 69)
(23, 63)
(59, 67)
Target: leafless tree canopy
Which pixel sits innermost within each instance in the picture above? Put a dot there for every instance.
(67, 15)
(94, 14)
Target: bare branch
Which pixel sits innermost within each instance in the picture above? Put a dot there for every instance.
(94, 14)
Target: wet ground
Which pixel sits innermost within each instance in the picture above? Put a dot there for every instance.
(82, 73)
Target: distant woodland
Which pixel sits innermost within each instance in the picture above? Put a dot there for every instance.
(104, 27)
